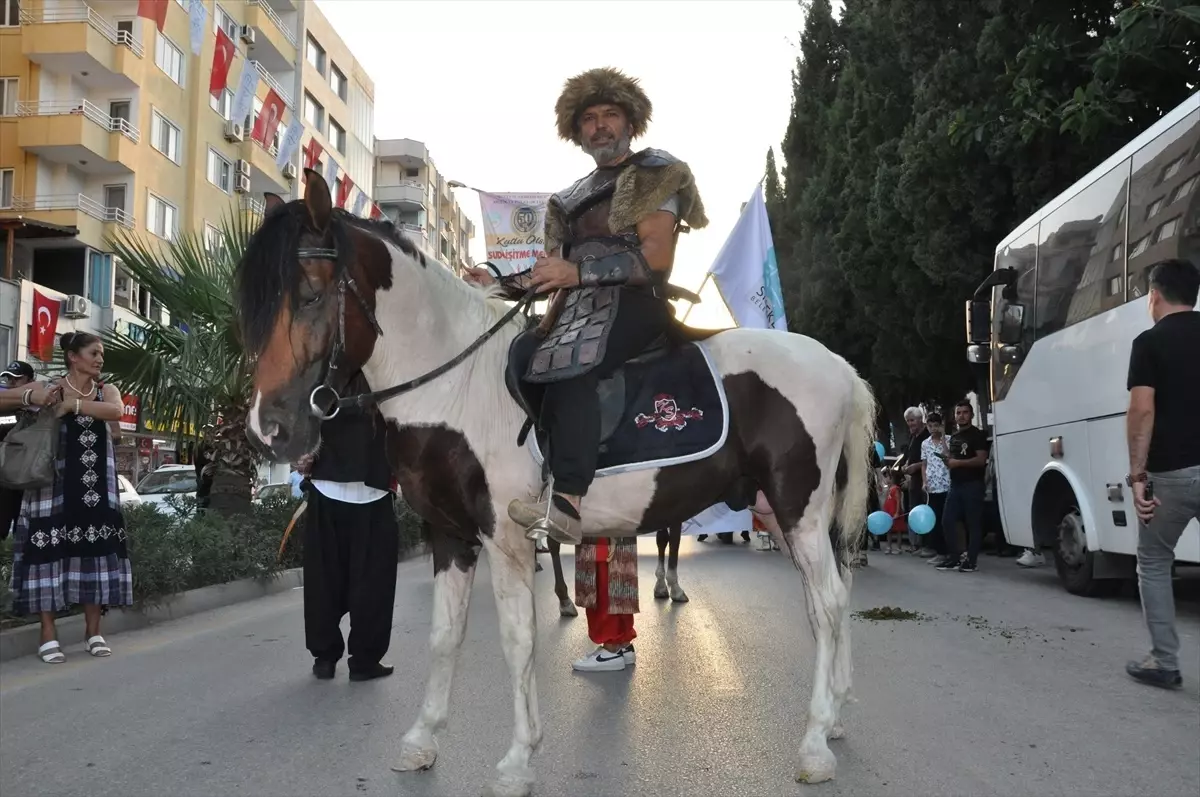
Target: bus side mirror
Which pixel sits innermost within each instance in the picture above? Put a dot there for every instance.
(978, 353)
(1012, 324)
(979, 322)
(1011, 355)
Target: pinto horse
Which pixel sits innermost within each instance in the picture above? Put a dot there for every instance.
(322, 294)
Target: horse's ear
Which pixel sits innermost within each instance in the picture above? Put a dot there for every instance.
(317, 199)
(273, 202)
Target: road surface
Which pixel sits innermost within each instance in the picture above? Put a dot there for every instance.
(1010, 686)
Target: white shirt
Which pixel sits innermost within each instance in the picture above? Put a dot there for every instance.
(348, 492)
(937, 473)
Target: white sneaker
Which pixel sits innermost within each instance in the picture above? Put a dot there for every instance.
(629, 654)
(601, 661)
(1031, 558)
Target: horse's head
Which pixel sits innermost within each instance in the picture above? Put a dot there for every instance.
(307, 287)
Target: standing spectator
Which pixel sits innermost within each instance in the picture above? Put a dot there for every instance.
(18, 377)
(914, 491)
(1163, 431)
(69, 547)
(894, 506)
(936, 477)
(295, 479)
(202, 460)
(967, 462)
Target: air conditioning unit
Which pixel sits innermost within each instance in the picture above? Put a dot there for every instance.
(242, 166)
(77, 307)
(241, 183)
(247, 34)
(289, 171)
(234, 131)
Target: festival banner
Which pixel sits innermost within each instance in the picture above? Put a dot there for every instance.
(331, 170)
(312, 154)
(155, 10)
(746, 272)
(360, 204)
(243, 98)
(45, 324)
(197, 16)
(268, 119)
(222, 60)
(290, 141)
(514, 229)
(376, 213)
(343, 191)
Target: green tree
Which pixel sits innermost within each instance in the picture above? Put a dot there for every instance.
(191, 371)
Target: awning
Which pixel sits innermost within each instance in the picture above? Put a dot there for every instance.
(25, 227)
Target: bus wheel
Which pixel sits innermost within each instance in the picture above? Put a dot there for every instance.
(1073, 560)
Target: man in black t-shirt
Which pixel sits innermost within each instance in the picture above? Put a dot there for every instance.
(1163, 432)
(967, 462)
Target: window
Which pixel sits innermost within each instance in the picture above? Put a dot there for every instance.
(412, 172)
(10, 13)
(314, 114)
(337, 136)
(7, 177)
(337, 81)
(222, 21)
(315, 54)
(1185, 188)
(100, 277)
(169, 58)
(1139, 247)
(220, 171)
(1167, 230)
(160, 217)
(1154, 207)
(1117, 251)
(1114, 286)
(114, 197)
(120, 109)
(214, 241)
(165, 137)
(1172, 169)
(223, 106)
(8, 96)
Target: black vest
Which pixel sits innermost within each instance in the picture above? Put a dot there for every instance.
(353, 450)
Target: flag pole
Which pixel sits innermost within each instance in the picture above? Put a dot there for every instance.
(699, 290)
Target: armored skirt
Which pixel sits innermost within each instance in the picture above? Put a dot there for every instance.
(70, 543)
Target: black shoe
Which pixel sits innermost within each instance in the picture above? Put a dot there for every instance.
(952, 564)
(1148, 672)
(376, 670)
(323, 669)
(701, 537)
(967, 567)
(746, 536)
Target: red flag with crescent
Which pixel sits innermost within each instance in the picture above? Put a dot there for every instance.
(155, 10)
(43, 326)
(222, 59)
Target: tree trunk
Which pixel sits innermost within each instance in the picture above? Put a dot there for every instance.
(234, 465)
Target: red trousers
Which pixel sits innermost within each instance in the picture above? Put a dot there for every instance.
(605, 628)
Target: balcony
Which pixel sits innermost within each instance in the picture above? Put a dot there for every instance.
(79, 134)
(270, 80)
(408, 153)
(264, 174)
(82, 43)
(406, 194)
(79, 211)
(274, 40)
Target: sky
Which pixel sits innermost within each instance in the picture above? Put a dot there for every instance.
(477, 82)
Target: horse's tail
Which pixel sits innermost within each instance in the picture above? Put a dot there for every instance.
(854, 483)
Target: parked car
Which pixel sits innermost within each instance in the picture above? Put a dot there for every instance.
(167, 481)
(125, 492)
(273, 491)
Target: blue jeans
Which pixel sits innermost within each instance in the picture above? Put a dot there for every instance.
(964, 502)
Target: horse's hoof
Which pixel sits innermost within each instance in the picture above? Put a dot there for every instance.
(679, 596)
(661, 593)
(567, 609)
(510, 786)
(816, 768)
(838, 732)
(415, 759)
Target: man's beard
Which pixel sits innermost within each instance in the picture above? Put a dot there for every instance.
(608, 152)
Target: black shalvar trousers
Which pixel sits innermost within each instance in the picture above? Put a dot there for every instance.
(571, 408)
(350, 557)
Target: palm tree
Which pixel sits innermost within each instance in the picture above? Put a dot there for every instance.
(192, 372)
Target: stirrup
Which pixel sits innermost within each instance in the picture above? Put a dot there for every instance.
(539, 532)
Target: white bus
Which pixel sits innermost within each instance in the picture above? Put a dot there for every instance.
(1053, 327)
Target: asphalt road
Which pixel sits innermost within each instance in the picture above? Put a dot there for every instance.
(1009, 687)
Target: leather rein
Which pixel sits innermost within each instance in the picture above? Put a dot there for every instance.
(363, 400)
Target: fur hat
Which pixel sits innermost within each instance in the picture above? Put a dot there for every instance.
(602, 86)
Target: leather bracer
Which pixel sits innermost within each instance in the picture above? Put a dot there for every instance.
(627, 267)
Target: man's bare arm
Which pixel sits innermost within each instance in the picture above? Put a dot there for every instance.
(1139, 423)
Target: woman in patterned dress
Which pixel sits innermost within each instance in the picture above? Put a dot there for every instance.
(69, 547)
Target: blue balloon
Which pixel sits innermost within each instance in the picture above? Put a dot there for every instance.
(921, 519)
(880, 451)
(879, 523)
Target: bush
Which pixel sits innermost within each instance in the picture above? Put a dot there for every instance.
(176, 549)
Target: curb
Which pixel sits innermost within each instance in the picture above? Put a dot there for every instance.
(23, 640)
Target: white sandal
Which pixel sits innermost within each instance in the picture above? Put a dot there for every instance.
(51, 653)
(98, 647)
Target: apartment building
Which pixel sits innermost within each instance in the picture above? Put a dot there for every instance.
(107, 123)
(416, 196)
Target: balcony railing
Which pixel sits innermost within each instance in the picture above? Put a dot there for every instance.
(270, 12)
(270, 80)
(253, 205)
(79, 108)
(80, 202)
(121, 38)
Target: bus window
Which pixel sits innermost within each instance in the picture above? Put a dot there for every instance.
(1020, 255)
(1162, 194)
(1076, 255)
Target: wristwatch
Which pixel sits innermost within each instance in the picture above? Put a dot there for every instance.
(1131, 480)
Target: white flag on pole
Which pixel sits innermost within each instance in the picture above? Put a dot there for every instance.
(197, 16)
(243, 98)
(290, 142)
(746, 272)
(360, 204)
(331, 170)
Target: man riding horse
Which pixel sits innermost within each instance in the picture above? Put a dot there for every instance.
(610, 244)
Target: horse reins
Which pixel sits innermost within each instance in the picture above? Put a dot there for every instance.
(363, 400)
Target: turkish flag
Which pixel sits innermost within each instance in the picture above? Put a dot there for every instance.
(376, 213)
(268, 119)
(312, 154)
(222, 60)
(155, 10)
(45, 324)
(344, 189)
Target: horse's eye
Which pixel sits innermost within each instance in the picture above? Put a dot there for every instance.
(309, 297)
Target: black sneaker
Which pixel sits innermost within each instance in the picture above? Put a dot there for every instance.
(967, 567)
(376, 670)
(324, 669)
(950, 564)
(1148, 672)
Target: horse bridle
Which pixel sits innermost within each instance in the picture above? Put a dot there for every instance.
(363, 400)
